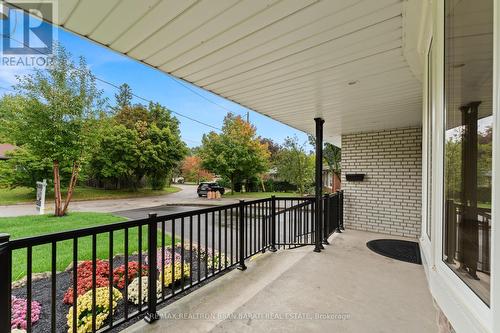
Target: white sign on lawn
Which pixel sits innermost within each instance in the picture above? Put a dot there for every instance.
(40, 196)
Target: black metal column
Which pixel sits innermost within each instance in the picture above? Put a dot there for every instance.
(318, 183)
(241, 221)
(152, 315)
(272, 248)
(469, 233)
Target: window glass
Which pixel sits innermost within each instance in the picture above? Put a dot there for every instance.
(430, 129)
(468, 141)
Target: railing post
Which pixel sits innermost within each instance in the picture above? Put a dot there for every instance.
(272, 248)
(241, 221)
(326, 219)
(152, 315)
(5, 282)
(341, 210)
(318, 182)
(337, 213)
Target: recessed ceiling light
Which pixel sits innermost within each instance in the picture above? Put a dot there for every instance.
(351, 83)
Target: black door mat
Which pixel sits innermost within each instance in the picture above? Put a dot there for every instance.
(396, 249)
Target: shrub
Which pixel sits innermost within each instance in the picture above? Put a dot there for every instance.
(19, 310)
(84, 309)
(133, 290)
(84, 278)
(177, 273)
(133, 272)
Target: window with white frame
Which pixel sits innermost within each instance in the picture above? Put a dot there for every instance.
(468, 87)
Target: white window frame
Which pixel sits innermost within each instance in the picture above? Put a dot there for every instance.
(466, 311)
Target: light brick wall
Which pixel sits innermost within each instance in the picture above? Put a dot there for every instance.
(389, 199)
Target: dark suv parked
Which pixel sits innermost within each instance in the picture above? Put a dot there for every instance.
(203, 188)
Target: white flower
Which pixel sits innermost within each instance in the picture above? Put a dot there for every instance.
(133, 290)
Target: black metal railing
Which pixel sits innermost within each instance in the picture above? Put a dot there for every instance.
(456, 230)
(130, 267)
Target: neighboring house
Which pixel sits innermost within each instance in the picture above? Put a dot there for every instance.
(331, 182)
(4, 148)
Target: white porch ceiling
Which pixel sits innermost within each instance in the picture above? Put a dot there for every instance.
(291, 60)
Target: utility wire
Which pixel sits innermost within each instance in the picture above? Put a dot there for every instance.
(185, 85)
(117, 87)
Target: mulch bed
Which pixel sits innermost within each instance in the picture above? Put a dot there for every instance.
(41, 292)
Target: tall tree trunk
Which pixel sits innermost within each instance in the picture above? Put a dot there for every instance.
(57, 189)
(71, 188)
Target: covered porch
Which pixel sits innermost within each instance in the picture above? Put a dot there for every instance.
(346, 288)
(354, 66)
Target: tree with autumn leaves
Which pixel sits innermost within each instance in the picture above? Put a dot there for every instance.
(192, 170)
(236, 153)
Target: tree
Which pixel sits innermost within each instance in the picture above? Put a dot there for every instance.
(57, 119)
(295, 165)
(236, 153)
(23, 168)
(161, 150)
(273, 147)
(138, 141)
(10, 106)
(124, 97)
(117, 156)
(192, 170)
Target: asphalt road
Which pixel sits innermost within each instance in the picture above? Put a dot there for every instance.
(187, 196)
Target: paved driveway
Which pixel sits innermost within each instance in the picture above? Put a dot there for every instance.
(187, 196)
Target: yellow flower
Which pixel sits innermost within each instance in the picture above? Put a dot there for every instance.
(84, 309)
(177, 273)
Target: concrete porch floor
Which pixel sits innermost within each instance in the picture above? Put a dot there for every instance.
(359, 291)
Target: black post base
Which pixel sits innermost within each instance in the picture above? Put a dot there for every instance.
(242, 267)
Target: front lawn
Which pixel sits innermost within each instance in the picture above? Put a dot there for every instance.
(25, 194)
(24, 226)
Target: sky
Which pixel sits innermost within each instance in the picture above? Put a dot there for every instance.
(150, 84)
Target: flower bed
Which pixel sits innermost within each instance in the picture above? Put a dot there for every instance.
(84, 279)
(42, 289)
(133, 290)
(214, 260)
(84, 309)
(133, 272)
(19, 311)
(178, 274)
(168, 257)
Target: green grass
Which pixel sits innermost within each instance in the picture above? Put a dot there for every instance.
(259, 195)
(24, 194)
(25, 226)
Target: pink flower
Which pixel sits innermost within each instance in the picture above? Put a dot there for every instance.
(19, 311)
